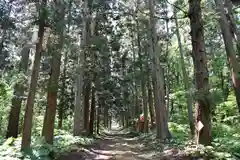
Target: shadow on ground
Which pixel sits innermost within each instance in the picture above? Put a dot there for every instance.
(118, 145)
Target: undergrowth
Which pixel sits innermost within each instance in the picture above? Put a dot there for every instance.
(225, 145)
(40, 150)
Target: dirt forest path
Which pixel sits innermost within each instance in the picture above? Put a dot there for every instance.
(120, 145)
(114, 146)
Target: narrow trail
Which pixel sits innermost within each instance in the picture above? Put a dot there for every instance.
(116, 146)
(121, 146)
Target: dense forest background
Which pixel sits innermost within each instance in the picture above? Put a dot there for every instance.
(69, 68)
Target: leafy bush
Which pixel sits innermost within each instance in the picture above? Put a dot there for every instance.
(5, 103)
(40, 150)
(225, 144)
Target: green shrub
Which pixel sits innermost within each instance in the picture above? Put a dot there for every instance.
(40, 150)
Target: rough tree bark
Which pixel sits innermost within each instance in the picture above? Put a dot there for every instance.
(48, 126)
(202, 105)
(87, 92)
(157, 71)
(49, 119)
(65, 62)
(28, 115)
(105, 114)
(150, 100)
(78, 110)
(98, 116)
(62, 98)
(233, 62)
(233, 25)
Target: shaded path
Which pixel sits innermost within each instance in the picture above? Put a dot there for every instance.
(117, 146)
(122, 146)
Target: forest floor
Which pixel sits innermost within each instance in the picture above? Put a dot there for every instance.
(121, 146)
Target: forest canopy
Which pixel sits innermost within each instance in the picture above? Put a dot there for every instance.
(159, 69)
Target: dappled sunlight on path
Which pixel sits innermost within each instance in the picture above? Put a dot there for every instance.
(121, 147)
(116, 145)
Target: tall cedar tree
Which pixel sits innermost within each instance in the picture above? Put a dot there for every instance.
(203, 106)
(28, 115)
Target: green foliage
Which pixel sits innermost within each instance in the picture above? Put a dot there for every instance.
(178, 99)
(40, 150)
(150, 142)
(179, 130)
(11, 149)
(227, 111)
(5, 103)
(113, 60)
(225, 144)
(227, 137)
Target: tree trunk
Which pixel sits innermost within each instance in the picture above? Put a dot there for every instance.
(123, 119)
(49, 119)
(48, 126)
(233, 25)
(203, 106)
(13, 120)
(105, 114)
(28, 116)
(157, 71)
(150, 101)
(110, 123)
(62, 98)
(126, 115)
(78, 111)
(185, 79)
(63, 89)
(231, 53)
(86, 104)
(167, 92)
(92, 112)
(143, 83)
(236, 36)
(136, 104)
(166, 73)
(98, 116)
(144, 98)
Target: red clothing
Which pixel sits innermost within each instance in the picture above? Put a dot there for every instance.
(141, 118)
